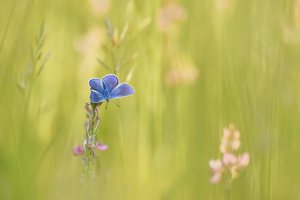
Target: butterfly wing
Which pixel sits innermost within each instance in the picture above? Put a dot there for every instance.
(110, 81)
(122, 90)
(108, 88)
(96, 97)
(96, 84)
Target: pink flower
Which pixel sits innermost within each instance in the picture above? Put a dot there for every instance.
(78, 151)
(235, 144)
(216, 178)
(225, 141)
(226, 133)
(100, 7)
(187, 75)
(231, 162)
(236, 135)
(229, 159)
(215, 165)
(236, 140)
(223, 5)
(169, 15)
(102, 147)
(230, 140)
(243, 160)
(217, 168)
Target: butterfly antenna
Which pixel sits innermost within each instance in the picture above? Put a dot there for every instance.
(115, 103)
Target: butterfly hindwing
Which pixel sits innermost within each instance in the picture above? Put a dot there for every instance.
(96, 97)
(122, 90)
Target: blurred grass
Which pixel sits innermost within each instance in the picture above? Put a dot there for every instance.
(161, 139)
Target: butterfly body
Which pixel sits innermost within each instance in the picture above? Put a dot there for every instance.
(106, 93)
(108, 88)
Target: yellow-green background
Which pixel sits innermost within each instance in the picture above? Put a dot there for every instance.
(247, 55)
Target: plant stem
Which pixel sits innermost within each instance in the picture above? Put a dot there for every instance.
(90, 141)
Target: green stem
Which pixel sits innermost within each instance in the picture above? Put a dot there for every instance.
(227, 190)
(90, 142)
(227, 195)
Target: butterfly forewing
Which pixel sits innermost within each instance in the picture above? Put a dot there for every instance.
(110, 81)
(96, 84)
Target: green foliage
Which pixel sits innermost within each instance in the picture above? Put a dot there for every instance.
(196, 66)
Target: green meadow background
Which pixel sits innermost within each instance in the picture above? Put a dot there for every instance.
(216, 62)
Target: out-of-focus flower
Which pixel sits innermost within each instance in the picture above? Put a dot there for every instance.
(170, 15)
(102, 147)
(231, 162)
(223, 5)
(182, 71)
(243, 160)
(78, 150)
(89, 42)
(185, 76)
(217, 169)
(216, 178)
(215, 165)
(230, 140)
(88, 46)
(99, 7)
(229, 159)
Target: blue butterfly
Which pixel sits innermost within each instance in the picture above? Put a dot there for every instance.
(108, 88)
